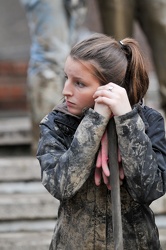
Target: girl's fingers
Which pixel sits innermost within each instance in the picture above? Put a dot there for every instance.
(105, 178)
(102, 169)
(104, 154)
(108, 186)
(105, 168)
(102, 89)
(99, 160)
(97, 176)
(119, 156)
(121, 173)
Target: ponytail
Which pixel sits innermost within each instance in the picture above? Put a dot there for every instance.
(136, 81)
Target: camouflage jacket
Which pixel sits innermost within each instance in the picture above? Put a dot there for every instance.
(67, 152)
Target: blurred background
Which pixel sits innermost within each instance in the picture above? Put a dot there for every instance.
(27, 212)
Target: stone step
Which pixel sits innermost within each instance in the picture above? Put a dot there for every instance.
(159, 205)
(25, 240)
(34, 188)
(25, 200)
(28, 206)
(161, 221)
(162, 235)
(22, 187)
(49, 224)
(27, 226)
(41, 240)
(23, 168)
(15, 130)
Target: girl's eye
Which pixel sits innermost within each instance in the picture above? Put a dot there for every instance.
(80, 84)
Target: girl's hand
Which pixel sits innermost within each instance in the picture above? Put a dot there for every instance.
(102, 109)
(102, 169)
(114, 97)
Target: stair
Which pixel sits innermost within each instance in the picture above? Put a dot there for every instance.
(159, 209)
(15, 130)
(27, 211)
(25, 240)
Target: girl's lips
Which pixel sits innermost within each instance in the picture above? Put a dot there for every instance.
(69, 103)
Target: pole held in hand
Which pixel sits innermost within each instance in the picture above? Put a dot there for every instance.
(115, 185)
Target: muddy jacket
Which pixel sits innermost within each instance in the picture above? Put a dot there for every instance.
(67, 152)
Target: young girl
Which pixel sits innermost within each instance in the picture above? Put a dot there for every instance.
(104, 78)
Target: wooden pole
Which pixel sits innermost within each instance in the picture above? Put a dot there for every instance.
(115, 185)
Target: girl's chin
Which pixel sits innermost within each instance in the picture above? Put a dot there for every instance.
(74, 111)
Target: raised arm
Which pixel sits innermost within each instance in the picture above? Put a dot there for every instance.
(143, 154)
(66, 163)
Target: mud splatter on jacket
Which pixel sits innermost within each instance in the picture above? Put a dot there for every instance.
(67, 152)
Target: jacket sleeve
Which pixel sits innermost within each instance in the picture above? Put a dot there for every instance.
(143, 155)
(65, 169)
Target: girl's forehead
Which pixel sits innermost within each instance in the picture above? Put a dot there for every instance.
(80, 69)
(74, 65)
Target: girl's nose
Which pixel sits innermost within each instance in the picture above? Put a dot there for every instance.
(67, 90)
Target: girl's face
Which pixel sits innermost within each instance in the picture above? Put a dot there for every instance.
(80, 85)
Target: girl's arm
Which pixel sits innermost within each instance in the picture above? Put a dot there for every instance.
(143, 155)
(65, 168)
